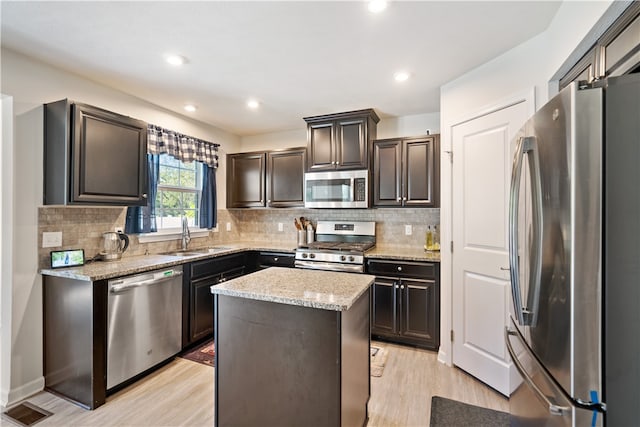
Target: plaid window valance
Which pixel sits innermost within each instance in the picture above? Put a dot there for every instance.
(182, 147)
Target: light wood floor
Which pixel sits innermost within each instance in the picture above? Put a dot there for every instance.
(181, 394)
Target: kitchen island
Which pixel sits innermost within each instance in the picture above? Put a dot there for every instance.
(292, 348)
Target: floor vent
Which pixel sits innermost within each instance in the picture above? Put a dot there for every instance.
(26, 414)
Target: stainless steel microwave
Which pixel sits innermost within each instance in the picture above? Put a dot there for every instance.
(339, 189)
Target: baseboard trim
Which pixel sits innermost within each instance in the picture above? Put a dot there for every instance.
(13, 396)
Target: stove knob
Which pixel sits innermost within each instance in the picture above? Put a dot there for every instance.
(304, 255)
(351, 258)
(312, 255)
(343, 258)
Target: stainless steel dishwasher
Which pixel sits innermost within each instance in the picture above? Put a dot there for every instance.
(144, 322)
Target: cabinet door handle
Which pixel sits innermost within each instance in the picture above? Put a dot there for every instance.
(144, 195)
(404, 199)
(269, 201)
(399, 268)
(276, 259)
(401, 286)
(399, 199)
(337, 163)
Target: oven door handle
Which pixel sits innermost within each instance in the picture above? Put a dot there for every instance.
(328, 266)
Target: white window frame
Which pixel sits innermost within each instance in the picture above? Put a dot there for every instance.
(172, 233)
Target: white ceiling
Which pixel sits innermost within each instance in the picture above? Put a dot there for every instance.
(297, 58)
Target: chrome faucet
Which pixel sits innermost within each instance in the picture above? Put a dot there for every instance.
(186, 234)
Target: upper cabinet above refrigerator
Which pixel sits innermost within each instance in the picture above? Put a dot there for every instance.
(93, 156)
(615, 53)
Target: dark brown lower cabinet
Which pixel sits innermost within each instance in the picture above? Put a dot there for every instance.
(75, 339)
(275, 259)
(405, 303)
(199, 276)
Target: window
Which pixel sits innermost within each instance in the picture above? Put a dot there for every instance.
(179, 188)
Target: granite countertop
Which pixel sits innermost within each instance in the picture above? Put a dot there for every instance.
(403, 253)
(102, 270)
(327, 290)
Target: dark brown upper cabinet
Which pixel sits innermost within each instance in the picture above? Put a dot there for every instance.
(93, 156)
(406, 172)
(341, 140)
(616, 52)
(266, 179)
(246, 180)
(285, 177)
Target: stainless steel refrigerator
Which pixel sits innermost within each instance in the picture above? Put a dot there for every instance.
(574, 333)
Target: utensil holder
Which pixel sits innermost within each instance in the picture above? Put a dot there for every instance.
(302, 237)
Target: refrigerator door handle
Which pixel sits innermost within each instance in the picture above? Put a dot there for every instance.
(527, 314)
(553, 408)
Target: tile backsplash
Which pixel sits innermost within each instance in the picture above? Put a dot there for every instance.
(82, 227)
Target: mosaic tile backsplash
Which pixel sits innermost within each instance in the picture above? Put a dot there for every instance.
(82, 227)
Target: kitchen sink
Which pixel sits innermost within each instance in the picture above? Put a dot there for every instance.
(183, 253)
(196, 252)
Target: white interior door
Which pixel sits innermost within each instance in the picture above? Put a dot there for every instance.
(481, 294)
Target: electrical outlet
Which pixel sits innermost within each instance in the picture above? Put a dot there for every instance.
(51, 239)
(407, 230)
(280, 227)
(228, 226)
(119, 230)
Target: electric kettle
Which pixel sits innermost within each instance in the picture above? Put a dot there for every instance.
(113, 246)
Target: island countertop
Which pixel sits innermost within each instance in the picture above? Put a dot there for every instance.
(325, 290)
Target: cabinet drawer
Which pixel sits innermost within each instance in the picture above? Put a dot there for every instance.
(209, 267)
(275, 259)
(420, 270)
(232, 274)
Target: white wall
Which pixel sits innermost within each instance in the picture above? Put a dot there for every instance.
(6, 243)
(32, 83)
(414, 125)
(390, 127)
(529, 65)
(275, 140)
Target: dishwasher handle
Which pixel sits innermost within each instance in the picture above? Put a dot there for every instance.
(117, 289)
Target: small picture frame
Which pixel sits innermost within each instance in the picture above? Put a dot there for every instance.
(67, 258)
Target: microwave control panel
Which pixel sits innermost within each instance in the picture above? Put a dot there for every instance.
(360, 190)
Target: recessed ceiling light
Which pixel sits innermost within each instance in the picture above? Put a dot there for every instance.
(253, 104)
(190, 108)
(377, 6)
(175, 60)
(401, 76)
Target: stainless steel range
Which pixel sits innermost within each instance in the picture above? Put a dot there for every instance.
(339, 246)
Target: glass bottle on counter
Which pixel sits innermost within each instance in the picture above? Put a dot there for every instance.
(432, 239)
(428, 239)
(436, 238)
